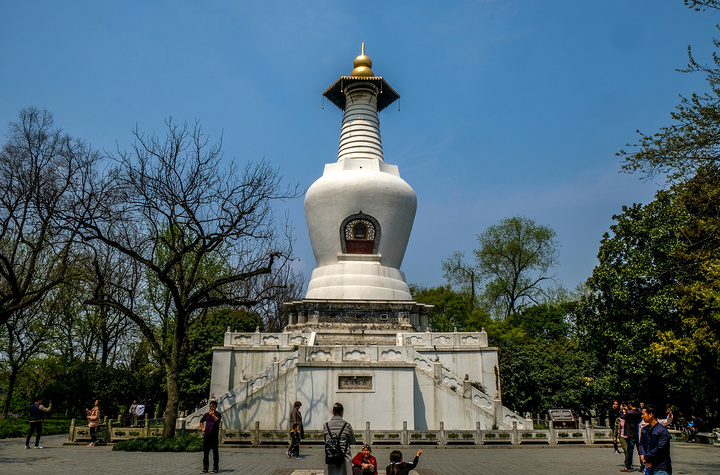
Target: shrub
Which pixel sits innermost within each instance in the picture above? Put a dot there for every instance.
(416, 435)
(577, 434)
(526, 435)
(14, 427)
(267, 435)
(393, 436)
(430, 436)
(504, 435)
(490, 435)
(453, 436)
(563, 434)
(182, 443)
(467, 435)
(379, 436)
(540, 435)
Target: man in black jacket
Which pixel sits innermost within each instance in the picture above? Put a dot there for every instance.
(632, 420)
(37, 414)
(654, 445)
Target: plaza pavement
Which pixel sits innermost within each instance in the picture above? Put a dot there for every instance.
(57, 458)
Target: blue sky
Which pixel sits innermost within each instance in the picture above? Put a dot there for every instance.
(512, 107)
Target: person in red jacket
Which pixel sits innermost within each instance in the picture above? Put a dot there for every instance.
(364, 463)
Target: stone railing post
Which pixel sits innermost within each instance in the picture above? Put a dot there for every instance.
(478, 434)
(110, 432)
(437, 371)
(515, 436)
(404, 440)
(147, 425)
(467, 390)
(256, 435)
(443, 438)
(366, 436)
(71, 433)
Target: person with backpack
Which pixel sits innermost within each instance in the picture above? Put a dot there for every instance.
(339, 436)
(37, 414)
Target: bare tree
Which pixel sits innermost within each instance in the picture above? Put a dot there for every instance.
(39, 168)
(202, 236)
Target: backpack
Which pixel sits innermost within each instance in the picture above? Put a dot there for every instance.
(334, 452)
(35, 414)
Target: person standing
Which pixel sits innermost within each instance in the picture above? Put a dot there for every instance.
(210, 427)
(133, 414)
(139, 411)
(632, 421)
(654, 445)
(296, 418)
(37, 414)
(337, 425)
(93, 416)
(613, 417)
(668, 420)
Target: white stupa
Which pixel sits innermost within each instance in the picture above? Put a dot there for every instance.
(360, 212)
(358, 337)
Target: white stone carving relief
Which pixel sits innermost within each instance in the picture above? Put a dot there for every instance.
(470, 340)
(482, 401)
(320, 355)
(356, 355)
(271, 340)
(243, 340)
(422, 364)
(390, 355)
(441, 340)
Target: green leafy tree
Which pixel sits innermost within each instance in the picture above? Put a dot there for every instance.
(686, 152)
(513, 261)
(451, 310)
(461, 275)
(542, 364)
(209, 332)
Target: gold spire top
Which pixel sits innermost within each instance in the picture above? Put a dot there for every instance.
(362, 65)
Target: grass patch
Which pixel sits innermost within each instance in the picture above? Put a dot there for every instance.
(181, 443)
(14, 427)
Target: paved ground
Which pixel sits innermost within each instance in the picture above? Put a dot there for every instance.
(57, 458)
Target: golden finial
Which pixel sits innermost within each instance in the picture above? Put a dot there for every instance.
(362, 65)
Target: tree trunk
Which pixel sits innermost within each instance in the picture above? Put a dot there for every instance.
(173, 397)
(11, 388)
(173, 369)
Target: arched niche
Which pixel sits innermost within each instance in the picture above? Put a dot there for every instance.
(360, 234)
